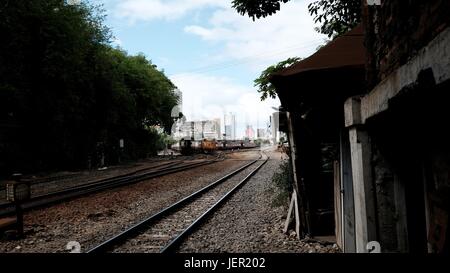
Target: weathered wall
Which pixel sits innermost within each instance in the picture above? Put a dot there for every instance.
(385, 196)
(396, 30)
(404, 112)
(411, 162)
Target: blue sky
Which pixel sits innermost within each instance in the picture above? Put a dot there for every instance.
(212, 53)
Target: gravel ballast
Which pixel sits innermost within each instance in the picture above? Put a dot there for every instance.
(160, 233)
(92, 219)
(248, 222)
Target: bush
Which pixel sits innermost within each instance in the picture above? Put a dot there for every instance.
(282, 180)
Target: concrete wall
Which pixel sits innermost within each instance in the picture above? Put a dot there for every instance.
(408, 77)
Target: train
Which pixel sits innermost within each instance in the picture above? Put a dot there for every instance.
(189, 146)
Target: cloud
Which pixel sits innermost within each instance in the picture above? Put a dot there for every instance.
(147, 10)
(237, 41)
(263, 42)
(206, 97)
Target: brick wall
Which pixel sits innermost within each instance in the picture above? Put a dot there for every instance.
(396, 30)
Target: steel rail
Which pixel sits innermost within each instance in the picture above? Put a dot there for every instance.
(96, 186)
(137, 228)
(58, 178)
(180, 238)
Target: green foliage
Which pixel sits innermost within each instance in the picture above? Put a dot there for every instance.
(257, 8)
(167, 139)
(283, 182)
(263, 83)
(65, 91)
(335, 16)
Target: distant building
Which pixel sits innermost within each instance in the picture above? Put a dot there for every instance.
(261, 134)
(230, 126)
(209, 129)
(249, 132)
(227, 132)
(185, 130)
(274, 125)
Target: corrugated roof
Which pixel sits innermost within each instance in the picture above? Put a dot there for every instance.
(346, 50)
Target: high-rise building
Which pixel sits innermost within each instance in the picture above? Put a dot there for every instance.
(274, 125)
(211, 129)
(230, 126)
(227, 132)
(218, 123)
(249, 132)
(198, 130)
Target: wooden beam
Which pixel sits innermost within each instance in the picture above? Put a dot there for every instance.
(293, 211)
(337, 204)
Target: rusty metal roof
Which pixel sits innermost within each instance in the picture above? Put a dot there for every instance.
(329, 76)
(346, 50)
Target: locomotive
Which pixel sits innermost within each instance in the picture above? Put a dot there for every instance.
(189, 146)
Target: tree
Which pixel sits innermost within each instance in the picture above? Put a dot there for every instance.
(65, 91)
(335, 16)
(263, 83)
(257, 8)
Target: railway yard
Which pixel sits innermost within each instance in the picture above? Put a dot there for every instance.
(225, 136)
(201, 203)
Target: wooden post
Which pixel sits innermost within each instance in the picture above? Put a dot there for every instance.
(293, 151)
(289, 215)
(337, 204)
(347, 199)
(297, 216)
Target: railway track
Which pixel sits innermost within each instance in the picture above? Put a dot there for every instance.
(166, 230)
(64, 177)
(56, 181)
(101, 185)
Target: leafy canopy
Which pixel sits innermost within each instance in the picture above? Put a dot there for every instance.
(335, 16)
(265, 87)
(65, 91)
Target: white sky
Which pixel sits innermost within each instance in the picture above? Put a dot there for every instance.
(212, 53)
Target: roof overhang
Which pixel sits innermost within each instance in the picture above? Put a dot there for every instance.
(332, 74)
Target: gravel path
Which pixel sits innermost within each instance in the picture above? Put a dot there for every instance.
(248, 223)
(92, 219)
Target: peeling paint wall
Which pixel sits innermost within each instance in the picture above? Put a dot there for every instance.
(404, 112)
(397, 30)
(385, 199)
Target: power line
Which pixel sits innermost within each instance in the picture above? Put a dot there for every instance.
(248, 59)
(244, 60)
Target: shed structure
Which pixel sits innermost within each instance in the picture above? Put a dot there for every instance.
(312, 93)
